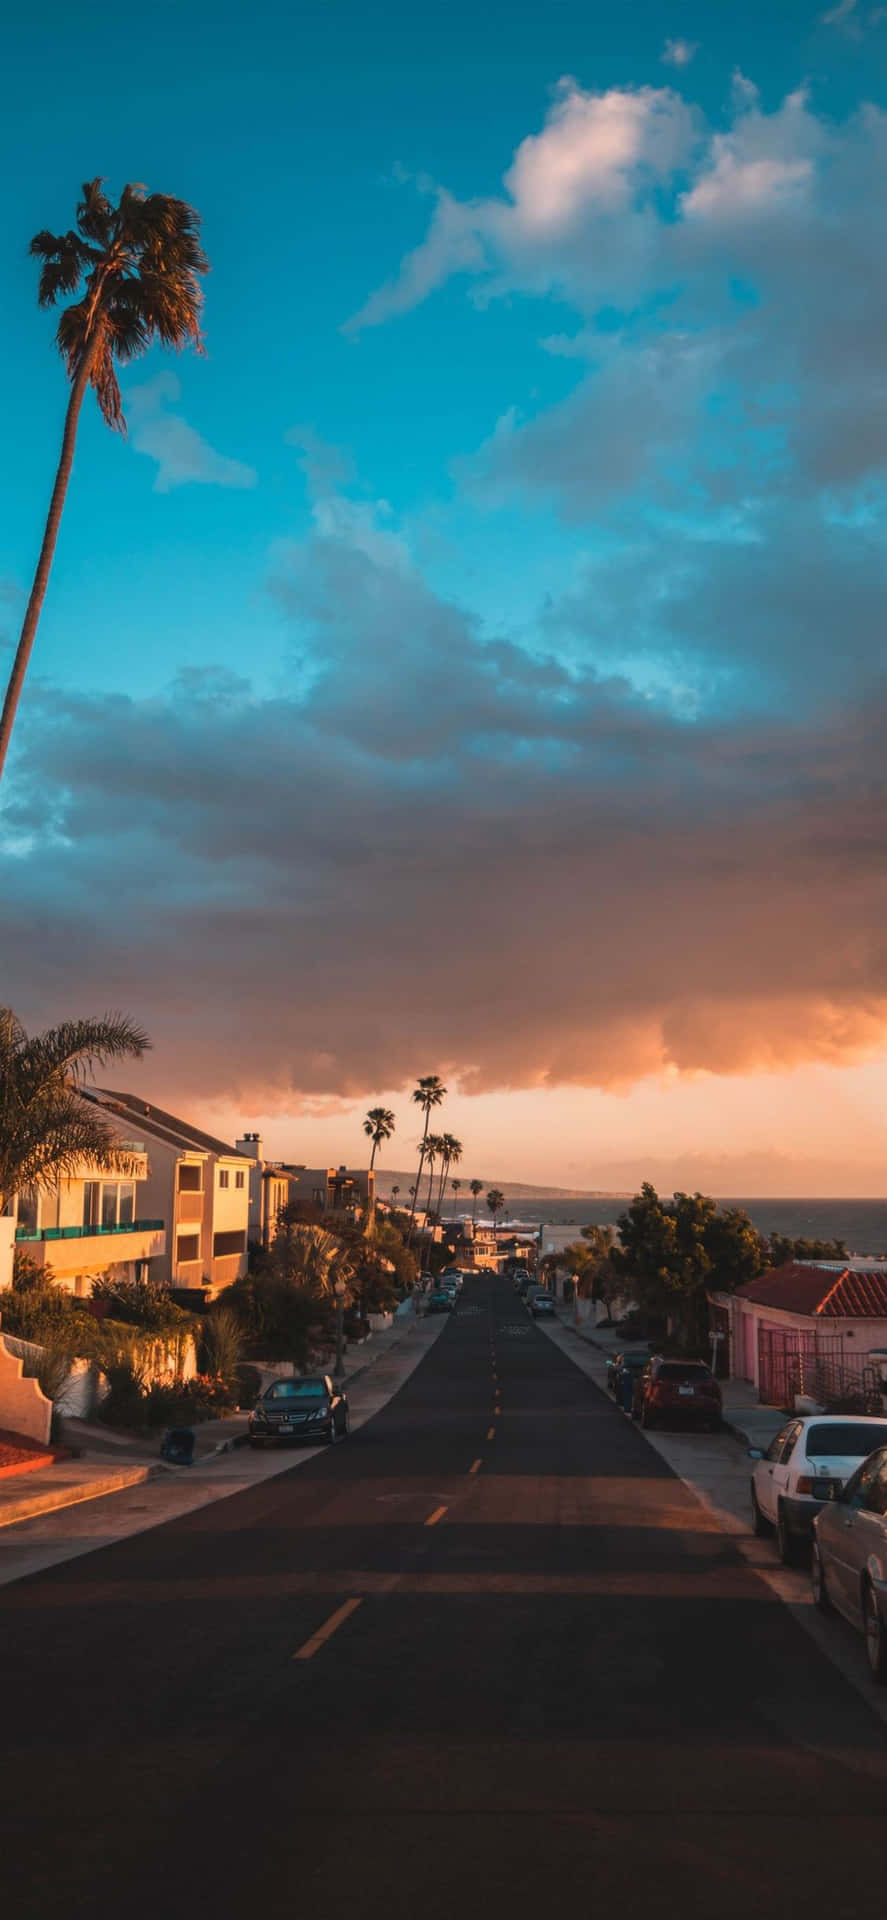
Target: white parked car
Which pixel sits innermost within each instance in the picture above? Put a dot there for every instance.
(806, 1465)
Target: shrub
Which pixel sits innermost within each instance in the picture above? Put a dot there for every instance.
(221, 1345)
(141, 1303)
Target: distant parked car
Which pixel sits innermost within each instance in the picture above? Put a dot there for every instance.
(541, 1303)
(633, 1360)
(677, 1389)
(807, 1463)
(849, 1569)
(309, 1407)
(442, 1300)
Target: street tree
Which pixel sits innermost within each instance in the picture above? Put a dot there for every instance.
(136, 270)
(451, 1156)
(476, 1188)
(49, 1126)
(378, 1126)
(673, 1252)
(495, 1202)
(428, 1092)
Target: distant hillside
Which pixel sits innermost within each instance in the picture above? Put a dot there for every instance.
(512, 1189)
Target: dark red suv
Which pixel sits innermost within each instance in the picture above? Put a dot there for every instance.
(677, 1390)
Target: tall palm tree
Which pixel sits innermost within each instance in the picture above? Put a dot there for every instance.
(452, 1154)
(136, 268)
(476, 1188)
(427, 1093)
(394, 1192)
(378, 1126)
(48, 1124)
(456, 1184)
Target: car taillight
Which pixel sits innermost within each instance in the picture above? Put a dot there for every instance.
(805, 1483)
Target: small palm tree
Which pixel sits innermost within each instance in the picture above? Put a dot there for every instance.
(456, 1184)
(394, 1192)
(476, 1188)
(428, 1092)
(138, 265)
(48, 1124)
(495, 1203)
(378, 1126)
(452, 1154)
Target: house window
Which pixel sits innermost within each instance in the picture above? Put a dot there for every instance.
(226, 1243)
(188, 1247)
(189, 1179)
(109, 1205)
(223, 1176)
(238, 1180)
(90, 1203)
(126, 1211)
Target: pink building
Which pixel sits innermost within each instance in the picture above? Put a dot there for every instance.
(808, 1327)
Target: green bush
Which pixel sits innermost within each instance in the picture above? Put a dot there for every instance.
(141, 1303)
(220, 1346)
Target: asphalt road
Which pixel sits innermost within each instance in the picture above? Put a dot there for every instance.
(561, 1685)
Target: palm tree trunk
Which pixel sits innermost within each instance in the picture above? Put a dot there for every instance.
(430, 1186)
(443, 1174)
(50, 536)
(418, 1182)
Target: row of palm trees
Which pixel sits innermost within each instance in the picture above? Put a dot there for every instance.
(438, 1152)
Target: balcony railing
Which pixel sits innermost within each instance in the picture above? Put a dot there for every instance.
(88, 1233)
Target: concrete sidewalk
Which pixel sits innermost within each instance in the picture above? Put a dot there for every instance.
(110, 1462)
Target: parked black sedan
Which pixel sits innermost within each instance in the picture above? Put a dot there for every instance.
(308, 1407)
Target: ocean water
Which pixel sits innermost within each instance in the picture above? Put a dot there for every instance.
(861, 1224)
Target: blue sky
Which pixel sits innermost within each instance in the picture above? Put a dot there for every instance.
(532, 492)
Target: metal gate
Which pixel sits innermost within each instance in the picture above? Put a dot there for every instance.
(792, 1360)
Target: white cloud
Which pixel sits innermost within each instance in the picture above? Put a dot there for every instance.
(679, 53)
(596, 157)
(183, 457)
(844, 15)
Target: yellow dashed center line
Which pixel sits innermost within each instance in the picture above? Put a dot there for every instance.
(475, 1467)
(433, 1518)
(329, 1627)
(491, 1433)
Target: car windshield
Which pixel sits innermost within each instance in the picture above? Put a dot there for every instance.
(297, 1390)
(683, 1370)
(844, 1436)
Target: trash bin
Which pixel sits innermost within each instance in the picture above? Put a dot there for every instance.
(177, 1446)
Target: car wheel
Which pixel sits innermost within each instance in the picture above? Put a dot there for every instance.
(818, 1582)
(875, 1635)
(760, 1526)
(786, 1545)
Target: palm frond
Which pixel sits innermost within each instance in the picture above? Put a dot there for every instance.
(95, 214)
(142, 263)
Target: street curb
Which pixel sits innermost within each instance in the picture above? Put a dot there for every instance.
(30, 1506)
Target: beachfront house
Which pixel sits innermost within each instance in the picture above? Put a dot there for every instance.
(197, 1184)
(93, 1224)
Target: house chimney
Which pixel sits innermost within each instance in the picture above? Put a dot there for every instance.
(250, 1145)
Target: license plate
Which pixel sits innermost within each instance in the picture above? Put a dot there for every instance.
(285, 1426)
(685, 1390)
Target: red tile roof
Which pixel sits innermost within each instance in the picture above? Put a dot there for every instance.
(837, 1293)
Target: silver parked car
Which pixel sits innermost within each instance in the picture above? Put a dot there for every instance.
(850, 1557)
